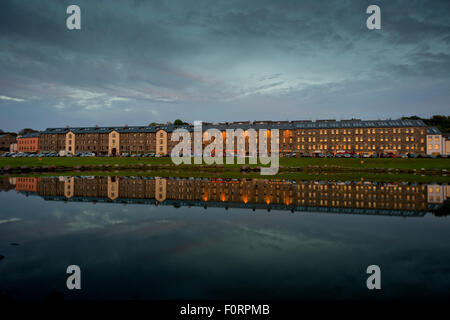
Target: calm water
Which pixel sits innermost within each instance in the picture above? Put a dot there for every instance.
(151, 238)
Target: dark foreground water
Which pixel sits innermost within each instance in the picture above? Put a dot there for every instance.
(188, 239)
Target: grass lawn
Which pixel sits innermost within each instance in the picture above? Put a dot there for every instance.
(396, 163)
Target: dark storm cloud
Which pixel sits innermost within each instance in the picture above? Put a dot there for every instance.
(137, 62)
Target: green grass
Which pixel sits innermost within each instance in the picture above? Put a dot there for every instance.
(366, 163)
(363, 163)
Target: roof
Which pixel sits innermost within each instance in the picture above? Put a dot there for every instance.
(282, 125)
(323, 124)
(6, 135)
(124, 129)
(30, 135)
(433, 130)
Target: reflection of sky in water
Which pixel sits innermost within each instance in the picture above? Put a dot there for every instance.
(141, 251)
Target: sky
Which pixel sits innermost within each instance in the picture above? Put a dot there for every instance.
(137, 62)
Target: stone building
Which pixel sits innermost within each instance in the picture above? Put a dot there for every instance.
(301, 137)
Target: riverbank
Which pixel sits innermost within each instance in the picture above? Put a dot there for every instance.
(395, 170)
(358, 163)
(307, 176)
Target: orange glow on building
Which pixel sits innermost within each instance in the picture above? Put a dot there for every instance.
(27, 184)
(28, 143)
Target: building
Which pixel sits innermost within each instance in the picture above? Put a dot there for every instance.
(13, 147)
(28, 143)
(447, 144)
(345, 136)
(435, 142)
(110, 140)
(307, 137)
(5, 142)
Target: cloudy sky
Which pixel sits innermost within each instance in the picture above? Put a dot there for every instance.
(136, 62)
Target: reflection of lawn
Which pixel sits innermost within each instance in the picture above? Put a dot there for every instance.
(285, 162)
(235, 174)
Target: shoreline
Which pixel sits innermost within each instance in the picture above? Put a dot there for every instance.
(423, 170)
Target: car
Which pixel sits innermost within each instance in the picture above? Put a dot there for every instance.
(374, 155)
(347, 155)
(355, 155)
(365, 155)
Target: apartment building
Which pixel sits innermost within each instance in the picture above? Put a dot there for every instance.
(447, 144)
(28, 143)
(346, 136)
(5, 141)
(435, 141)
(308, 137)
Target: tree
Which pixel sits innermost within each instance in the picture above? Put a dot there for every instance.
(179, 122)
(27, 131)
(439, 121)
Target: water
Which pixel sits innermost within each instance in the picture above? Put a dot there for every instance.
(136, 238)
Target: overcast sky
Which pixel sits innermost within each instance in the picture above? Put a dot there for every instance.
(136, 62)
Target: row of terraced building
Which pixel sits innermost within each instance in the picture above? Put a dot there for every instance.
(302, 137)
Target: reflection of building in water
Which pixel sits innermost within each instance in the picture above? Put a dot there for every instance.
(436, 193)
(27, 184)
(7, 184)
(351, 197)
